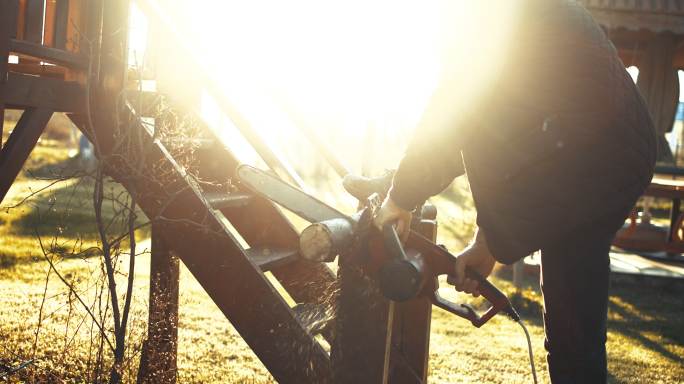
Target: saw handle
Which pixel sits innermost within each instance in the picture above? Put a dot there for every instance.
(438, 261)
(498, 300)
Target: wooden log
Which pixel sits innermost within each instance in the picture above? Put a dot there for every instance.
(158, 363)
(321, 242)
(20, 144)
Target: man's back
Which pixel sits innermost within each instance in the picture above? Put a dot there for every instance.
(569, 138)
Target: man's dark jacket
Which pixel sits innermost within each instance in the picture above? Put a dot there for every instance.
(564, 141)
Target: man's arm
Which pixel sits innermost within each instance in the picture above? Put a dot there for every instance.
(424, 172)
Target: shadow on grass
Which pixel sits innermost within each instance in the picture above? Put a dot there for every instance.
(638, 307)
(65, 212)
(71, 167)
(641, 306)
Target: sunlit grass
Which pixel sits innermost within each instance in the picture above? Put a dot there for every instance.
(645, 341)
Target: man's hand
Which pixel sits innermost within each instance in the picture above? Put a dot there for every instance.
(391, 213)
(478, 258)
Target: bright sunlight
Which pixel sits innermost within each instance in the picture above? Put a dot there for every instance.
(344, 68)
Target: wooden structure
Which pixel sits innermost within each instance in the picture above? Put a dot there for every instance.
(71, 56)
(651, 239)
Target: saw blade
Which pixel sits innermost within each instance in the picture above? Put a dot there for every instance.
(292, 198)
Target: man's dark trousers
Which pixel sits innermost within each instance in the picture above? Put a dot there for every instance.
(575, 281)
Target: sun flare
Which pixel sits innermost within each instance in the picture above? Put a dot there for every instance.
(344, 68)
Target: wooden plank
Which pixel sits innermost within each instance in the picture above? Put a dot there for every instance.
(268, 258)
(53, 71)
(25, 91)
(21, 19)
(53, 55)
(158, 362)
(19, 145)
(7, 14)
(33, 29)
(61, 24)
(49, 29)
(114, 53)
(84, 18)
(11, 10)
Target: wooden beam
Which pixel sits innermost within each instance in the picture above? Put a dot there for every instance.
(25, 91)
(113, 52)
(21, 19)
(158, 362)
(84, 18)
(49, 28)
(7, 15)
(19, 145)
(61, 24)
(53, 71)
(200, 237)
(52, 55)
(10, 16)
(33, 29)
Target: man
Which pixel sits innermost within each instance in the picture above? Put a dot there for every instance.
(556, 157)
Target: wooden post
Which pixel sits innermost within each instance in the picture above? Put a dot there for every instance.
(411, 331)
(20, 144)
(158, 361)
(363, 330)
(8, 14)
(33, 29)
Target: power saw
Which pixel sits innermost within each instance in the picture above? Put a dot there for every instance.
(403, 272)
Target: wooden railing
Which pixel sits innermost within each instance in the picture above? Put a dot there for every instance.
(47, 36)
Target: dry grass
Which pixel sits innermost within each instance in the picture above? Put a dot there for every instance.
(645, 343)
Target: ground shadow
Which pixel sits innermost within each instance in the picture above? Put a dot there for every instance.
(638, 306)
(65, 212)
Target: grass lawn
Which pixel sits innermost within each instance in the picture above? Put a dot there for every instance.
(645, 341)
